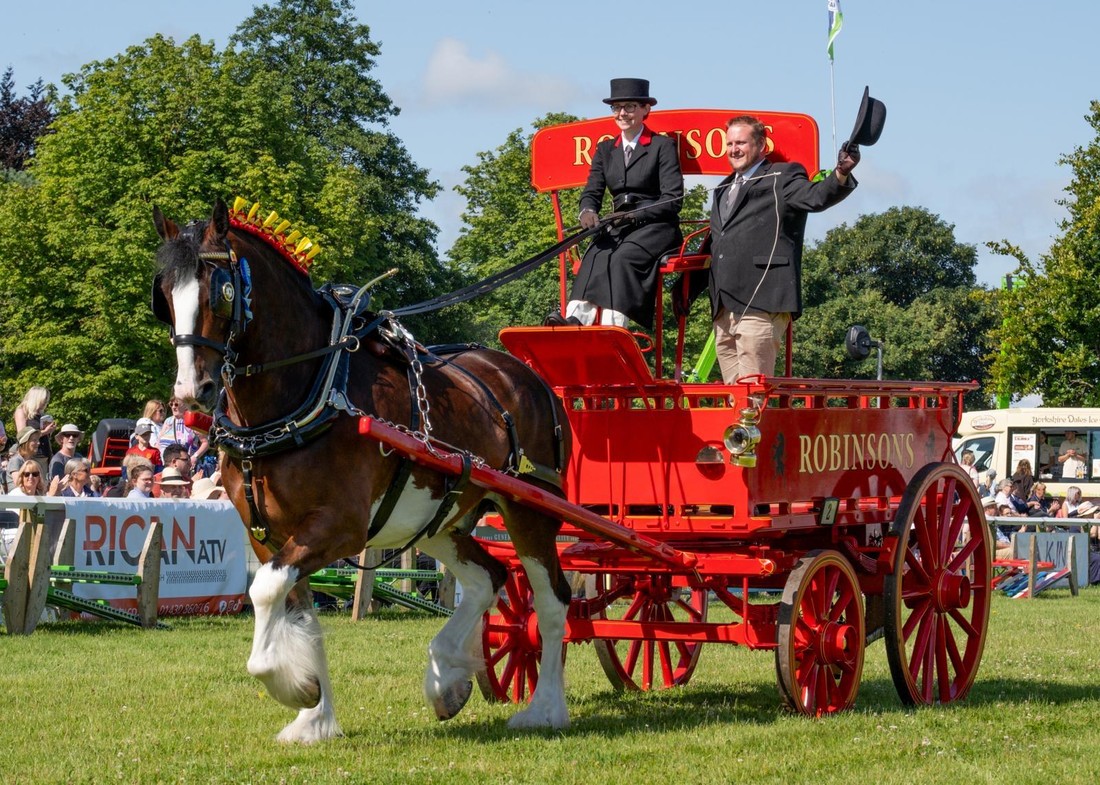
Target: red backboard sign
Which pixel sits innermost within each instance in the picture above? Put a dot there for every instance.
(562, 154)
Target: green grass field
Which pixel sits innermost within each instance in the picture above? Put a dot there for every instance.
(102, 703)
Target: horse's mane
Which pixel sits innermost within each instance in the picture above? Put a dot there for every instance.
(181, 256)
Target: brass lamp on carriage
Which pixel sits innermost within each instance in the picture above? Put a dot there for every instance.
(741, 439)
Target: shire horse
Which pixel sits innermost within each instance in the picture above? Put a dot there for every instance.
(287, 371)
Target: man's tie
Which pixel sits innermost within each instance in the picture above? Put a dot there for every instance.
(731, 196)
(627, 150)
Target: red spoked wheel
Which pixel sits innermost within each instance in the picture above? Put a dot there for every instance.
(649, 664)
(512, 645)
(937, 600)
(819, 657)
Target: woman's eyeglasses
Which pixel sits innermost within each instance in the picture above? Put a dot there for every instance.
(31, 474)
(628, 108)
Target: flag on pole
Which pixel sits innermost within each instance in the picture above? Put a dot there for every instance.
(836, 21)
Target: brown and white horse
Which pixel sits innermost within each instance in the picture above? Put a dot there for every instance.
(312, 490)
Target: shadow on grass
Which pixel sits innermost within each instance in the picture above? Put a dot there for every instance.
(612, 714)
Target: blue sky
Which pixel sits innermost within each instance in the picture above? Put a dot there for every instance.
(983, 96)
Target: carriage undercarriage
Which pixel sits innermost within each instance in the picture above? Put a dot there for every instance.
(839, 519)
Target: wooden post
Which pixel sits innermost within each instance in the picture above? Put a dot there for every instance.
(17, 574)
(408, 562)
(362, 601)
(148, 591)
(1071, 563)
(447, 589)
(38, 572)
(65, 554)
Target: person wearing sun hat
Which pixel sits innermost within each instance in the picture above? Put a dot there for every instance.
(173, 485)
(26, 448)
(640, 169)
(207, 489)
(68, 437)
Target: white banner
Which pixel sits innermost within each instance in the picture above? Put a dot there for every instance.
(203, 567)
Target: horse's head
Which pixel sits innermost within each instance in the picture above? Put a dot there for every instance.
(199, 292)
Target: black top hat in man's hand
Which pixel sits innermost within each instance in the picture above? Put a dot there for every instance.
(636, 90)
(869, 121)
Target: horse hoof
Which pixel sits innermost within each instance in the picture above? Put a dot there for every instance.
(453, 700)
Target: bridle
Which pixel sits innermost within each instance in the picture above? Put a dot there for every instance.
(230, 289)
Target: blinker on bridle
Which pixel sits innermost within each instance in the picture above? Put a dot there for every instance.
(229, 288)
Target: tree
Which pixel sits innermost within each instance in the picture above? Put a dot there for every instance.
(175, 126)
(325, 59)
(902, 275)
(1051, 317)
(22, 122)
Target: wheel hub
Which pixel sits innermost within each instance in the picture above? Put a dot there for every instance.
(953, 590)
(836, 642)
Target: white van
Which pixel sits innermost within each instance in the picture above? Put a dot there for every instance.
(1000, 438)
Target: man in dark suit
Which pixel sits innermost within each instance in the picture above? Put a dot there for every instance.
(757, 225)
(642, 171)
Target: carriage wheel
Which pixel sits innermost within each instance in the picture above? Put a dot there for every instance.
(510, 638)
(937, 614)
(819, 657)
(647, 664)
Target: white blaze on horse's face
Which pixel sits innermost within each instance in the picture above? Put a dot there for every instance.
(185, 306)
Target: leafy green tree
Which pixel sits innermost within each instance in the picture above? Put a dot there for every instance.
(1051, 317)
(324, 59)
(174, 126)
(902, 275)
(22, 122)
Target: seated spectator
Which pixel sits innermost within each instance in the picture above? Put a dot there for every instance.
(26, 449)
(1073, 500)
(174, 457)
(131, 462)
(1038, 504)
(207, 488)
(74, 483)
(143, 436)
(1009, 505)
(173, 485)
(1072, 455)
(29, 480)
(1002, 545)
(986, 488)
(69, 438)
(141, 483)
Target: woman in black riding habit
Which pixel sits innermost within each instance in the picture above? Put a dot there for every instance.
(641, 170)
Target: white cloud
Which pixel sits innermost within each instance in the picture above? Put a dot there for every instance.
(454, 76)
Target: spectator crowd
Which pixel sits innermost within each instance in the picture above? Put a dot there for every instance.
(166, 458)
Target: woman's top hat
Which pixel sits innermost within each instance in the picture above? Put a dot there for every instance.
(636, 90)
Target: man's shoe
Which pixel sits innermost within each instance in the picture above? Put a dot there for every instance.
(555, 319)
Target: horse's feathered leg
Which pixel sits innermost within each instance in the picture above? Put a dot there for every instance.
(288, 653)
(455, 653)
(534, 534)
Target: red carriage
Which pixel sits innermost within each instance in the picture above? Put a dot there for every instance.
(842, 497)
